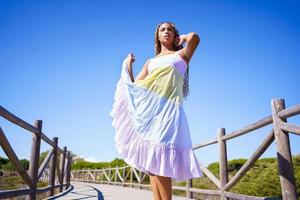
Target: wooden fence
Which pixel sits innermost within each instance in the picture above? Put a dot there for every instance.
(57, 172)
(279, 132)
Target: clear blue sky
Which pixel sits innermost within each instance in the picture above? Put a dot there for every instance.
(60, 61)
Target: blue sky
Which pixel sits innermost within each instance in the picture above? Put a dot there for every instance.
(60, 61)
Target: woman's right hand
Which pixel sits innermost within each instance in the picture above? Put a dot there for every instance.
(181, 39)
(130, 59)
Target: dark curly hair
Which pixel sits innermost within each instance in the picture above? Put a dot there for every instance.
(185, 88)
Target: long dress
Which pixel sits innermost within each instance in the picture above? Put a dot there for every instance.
(152, 132)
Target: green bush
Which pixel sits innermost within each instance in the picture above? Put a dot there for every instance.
(261, 180)
(8, 167)
(3, 161)
(5, 164)
(81, 164)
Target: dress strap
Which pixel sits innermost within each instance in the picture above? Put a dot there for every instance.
(178, 51)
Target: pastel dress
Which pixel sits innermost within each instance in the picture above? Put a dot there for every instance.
(152, 131)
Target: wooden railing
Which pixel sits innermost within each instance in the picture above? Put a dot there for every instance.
(279, 132)
(61, 169)
(114, 176)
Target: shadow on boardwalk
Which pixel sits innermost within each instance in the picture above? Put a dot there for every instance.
(80, 191)
(105, 192)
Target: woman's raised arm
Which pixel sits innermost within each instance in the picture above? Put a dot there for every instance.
(144, 72)
(192, 40)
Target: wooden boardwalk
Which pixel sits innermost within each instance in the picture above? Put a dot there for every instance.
(106, 192)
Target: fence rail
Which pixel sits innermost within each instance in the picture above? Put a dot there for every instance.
(59, 172)
(279, 132)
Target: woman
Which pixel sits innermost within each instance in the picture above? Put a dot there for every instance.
(152, 132)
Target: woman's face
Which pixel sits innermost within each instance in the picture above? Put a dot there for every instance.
(166, 33)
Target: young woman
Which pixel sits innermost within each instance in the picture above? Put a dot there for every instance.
(152, 132)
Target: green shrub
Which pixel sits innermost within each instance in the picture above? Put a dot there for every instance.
(261, 180)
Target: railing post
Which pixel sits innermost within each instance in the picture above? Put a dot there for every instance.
(86, 175)
(123, 175)
(82, 175)
(116, 175)
(284, 157)
(222, 161)
(62, 169)
(74, 173)
(53, 166)
(109, 175)
(140, 182)
(131, 177)
(68, 175)
(189, 184)
(86, 178)
(102, 175)
(34, 158)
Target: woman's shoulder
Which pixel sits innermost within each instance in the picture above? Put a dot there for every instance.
(147, 62)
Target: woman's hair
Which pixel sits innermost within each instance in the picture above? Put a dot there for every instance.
(185, 88)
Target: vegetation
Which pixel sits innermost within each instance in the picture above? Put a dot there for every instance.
(6, 165)
(81, 164)
(10, 179)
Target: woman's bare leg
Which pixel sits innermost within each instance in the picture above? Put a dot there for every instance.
(154, 187)
(165, 187)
